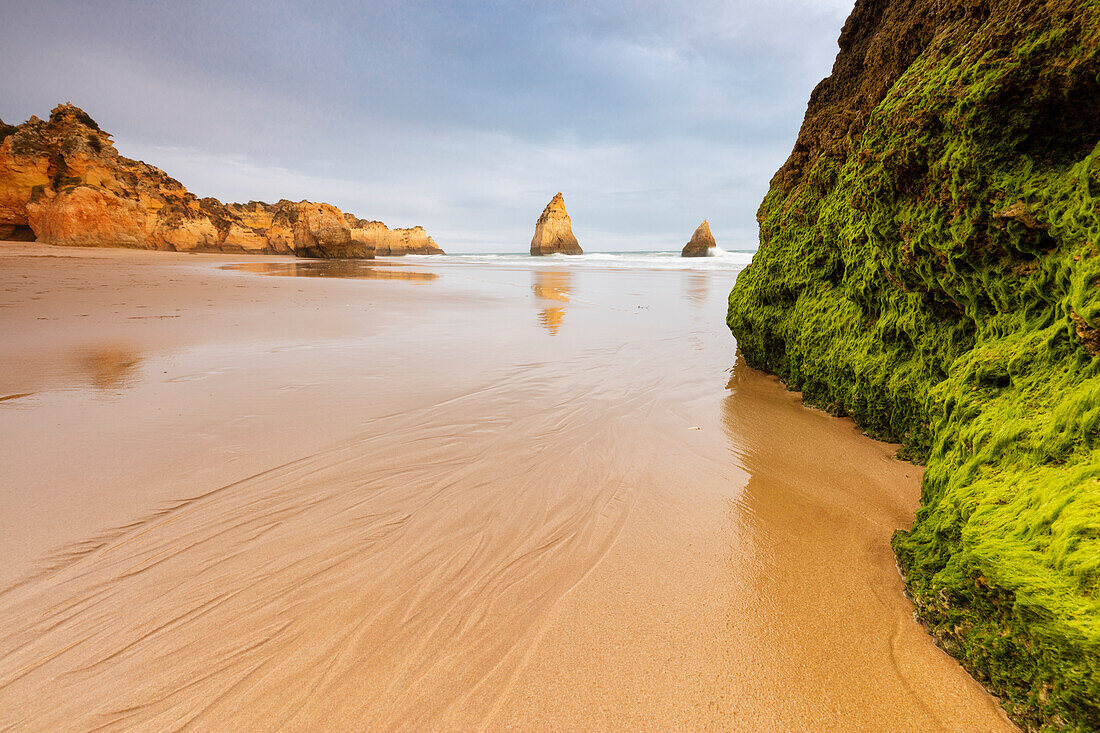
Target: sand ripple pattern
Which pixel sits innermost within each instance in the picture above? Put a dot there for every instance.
(393, 580)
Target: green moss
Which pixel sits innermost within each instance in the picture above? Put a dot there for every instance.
(937, 278)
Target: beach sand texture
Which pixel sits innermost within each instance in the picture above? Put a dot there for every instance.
(431, 495)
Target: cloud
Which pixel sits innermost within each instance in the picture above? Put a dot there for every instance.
(463, 117)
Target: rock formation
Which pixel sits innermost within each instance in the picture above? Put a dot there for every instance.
(386, 241)
(928, 264)
(63, 182)
(554, 231)
(702, 242)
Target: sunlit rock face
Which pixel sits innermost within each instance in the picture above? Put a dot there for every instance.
(702, 242)
(392, 242)
(554, 231)
(62, 182)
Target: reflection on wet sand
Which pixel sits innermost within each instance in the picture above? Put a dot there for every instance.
(695, 287)
(554, 286)
(584, 533)
(357, 269)
(109, 367)
(818, 511)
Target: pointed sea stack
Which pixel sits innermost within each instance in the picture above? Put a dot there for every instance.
(554, 231)
(702, 243)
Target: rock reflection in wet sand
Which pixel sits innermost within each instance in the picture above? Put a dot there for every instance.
(109, 367)
(359, 269)
(554, 286)
(696, 288)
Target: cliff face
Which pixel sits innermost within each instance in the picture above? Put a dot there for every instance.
(63, 182)
(701, 244)
(930, 265)
(386, 241)
(554, 231)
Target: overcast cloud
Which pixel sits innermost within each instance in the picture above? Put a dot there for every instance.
(465, 117)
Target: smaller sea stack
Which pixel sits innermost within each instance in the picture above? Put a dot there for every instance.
(554, 231)
(702, 242)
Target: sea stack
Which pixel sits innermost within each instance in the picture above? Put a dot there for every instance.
(554, 231)
(702, 243)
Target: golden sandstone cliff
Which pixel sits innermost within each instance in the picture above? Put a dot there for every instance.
(63, 182)
(386, 241)
(554, 231)
(702, 242)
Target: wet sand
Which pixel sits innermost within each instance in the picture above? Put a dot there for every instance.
(435, 496)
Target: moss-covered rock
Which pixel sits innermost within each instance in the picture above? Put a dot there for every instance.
(930, 265)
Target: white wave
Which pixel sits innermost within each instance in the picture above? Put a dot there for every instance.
(718, 260)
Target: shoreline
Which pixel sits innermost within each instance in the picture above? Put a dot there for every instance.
(598, 515)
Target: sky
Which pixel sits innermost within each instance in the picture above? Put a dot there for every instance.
(462, 117)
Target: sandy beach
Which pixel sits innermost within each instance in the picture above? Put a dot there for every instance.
(431, 494)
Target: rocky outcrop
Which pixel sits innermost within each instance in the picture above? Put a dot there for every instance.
(62, 182)
(393, 242)
(702, 242)
(554, 231)
(929, 261)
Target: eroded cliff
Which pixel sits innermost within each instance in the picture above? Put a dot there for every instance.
(63, 182)
(391, 242)
(930, 265)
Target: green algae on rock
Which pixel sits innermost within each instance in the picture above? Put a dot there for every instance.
(929, 264)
